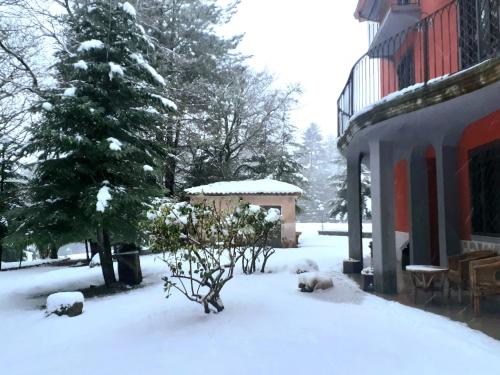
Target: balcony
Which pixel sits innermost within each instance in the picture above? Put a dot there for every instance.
(400, 16)
(456, 37)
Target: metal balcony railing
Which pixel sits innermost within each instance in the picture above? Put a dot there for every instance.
(457, 36)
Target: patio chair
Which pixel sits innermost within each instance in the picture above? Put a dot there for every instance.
(458, 275)
(484, 280)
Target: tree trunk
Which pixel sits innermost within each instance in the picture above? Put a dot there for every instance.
(53, 251)
(170, 166)
(108, 271)
(87, 250)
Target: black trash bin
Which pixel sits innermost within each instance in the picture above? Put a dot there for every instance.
(129, 264)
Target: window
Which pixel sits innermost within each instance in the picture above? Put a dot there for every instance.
(484, 167)
(406, 70)
(479, 30)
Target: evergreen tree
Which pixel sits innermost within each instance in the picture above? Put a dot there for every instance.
(97, 141)
(338, 182)
(194, 57)
(11, 184)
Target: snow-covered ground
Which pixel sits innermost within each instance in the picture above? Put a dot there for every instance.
(314, 227)
(268, 327)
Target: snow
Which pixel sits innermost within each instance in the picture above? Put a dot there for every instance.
(115, 70)
(89, 45)
(312, 281)
(129, 9)
(80, 64)
(95, 261)
(304, 265)
(166, 102)
(273, 215)
(142, 63)
(58, 301)
(114, 144)
(265, 186)
(147, 168)
(424, 268)
(47, 106)
(268, 325)
(29, 263)
(69, 92)
(103, 197)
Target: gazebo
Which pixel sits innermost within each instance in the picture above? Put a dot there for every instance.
(266, 193)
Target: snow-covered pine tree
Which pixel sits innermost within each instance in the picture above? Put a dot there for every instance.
(11, 186)
(338, 183)
(193, 56)
(97, 143)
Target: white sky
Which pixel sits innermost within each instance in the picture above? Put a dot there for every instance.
(312, 42)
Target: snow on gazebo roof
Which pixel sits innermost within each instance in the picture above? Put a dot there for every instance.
(246, 187)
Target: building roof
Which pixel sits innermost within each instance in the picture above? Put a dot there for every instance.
(246, 187)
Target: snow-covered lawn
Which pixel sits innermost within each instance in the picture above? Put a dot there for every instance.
(268, 327)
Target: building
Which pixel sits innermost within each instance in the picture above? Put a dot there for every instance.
(422, 110)
(265, 193)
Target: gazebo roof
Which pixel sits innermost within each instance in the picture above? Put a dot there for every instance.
(246, 187)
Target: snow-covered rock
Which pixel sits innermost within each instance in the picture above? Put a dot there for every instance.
(312, 281)
(65, 303)
(304, 265)
(95, 261)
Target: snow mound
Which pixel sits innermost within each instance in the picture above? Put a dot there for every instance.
(58, 303)
(129, 9)
(103, 197)
(303, 266)
(265, 186)
(95, 261)
(310, 282)
(90, 44)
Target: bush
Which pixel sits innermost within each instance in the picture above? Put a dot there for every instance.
(202, 245)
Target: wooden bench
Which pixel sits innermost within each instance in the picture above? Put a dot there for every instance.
(458, 276)
(484, 280)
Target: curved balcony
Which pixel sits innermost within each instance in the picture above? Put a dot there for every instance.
(454, 38)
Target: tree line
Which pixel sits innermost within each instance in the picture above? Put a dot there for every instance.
(106, 107)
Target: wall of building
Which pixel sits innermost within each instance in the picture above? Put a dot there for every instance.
(286, 202)
(479, 133)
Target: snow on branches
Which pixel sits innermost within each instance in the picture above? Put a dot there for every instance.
(202, 246)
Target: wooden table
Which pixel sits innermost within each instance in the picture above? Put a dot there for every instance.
(427, 278)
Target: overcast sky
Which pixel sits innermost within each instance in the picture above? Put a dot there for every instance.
(313, 42)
